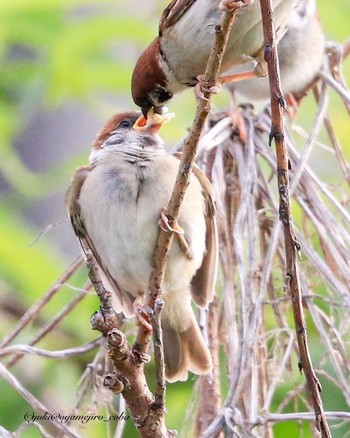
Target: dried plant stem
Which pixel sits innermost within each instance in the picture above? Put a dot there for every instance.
(22, 349)
(296, 416)
(340, 89)
(334, 140)
(33, 311)
(33, 401)
(158, 356)
(291, 243)
(209, 385)
(54, 322)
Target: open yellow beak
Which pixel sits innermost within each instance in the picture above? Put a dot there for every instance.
(153, 123)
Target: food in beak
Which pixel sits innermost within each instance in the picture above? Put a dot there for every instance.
(154, 121)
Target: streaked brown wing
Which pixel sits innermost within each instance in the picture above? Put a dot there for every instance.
(203, 283)
(172, 13)
(122, 300)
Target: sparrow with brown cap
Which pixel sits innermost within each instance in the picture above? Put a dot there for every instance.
(114, 205)
(178, 56)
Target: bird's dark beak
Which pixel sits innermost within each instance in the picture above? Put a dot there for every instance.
(145, 111)
(156, 109)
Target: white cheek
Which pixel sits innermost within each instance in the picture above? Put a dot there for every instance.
(96, 155)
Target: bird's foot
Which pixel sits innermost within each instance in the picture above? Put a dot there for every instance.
(141, 314)
(231, 5)
(238, 121)
(292, 106)
(203, 87)
(167, 225)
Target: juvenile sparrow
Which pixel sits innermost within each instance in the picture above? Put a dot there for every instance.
(300, 54)
(178, 56)
(114, 205)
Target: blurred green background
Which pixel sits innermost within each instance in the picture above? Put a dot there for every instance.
(66, 67)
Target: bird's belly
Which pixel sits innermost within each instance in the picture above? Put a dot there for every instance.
(127, 230)
(246, 38)
(126, 236)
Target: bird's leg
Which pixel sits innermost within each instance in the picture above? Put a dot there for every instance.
(202, 86)
(236, 77)
(292, 105)
(259, 71)
(165, 220)
(140, 314)
(230, 5)
(164, 223)
(238, 121)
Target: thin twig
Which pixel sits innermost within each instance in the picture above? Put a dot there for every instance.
(209, 385)
(158, 355)
(24, 426)
(54, 322)
(58, 354)
(291, 244)
(343, 92)
(297, 416)
(5, 433)
(33, 401)
(121, 424)
(277, 377)
(335, 143)
(34, 310)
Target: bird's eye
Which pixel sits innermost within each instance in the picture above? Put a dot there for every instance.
(159, 96)
(164, 96)
(124, 124)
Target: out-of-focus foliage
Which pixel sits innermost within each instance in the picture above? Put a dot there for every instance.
(53, 52)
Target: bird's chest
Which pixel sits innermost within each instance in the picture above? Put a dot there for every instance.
(121, 215)
(129, 198)
(126, 184)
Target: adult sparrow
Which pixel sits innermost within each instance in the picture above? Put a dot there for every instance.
(179, 55)
(300, 54)
(115, 204)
